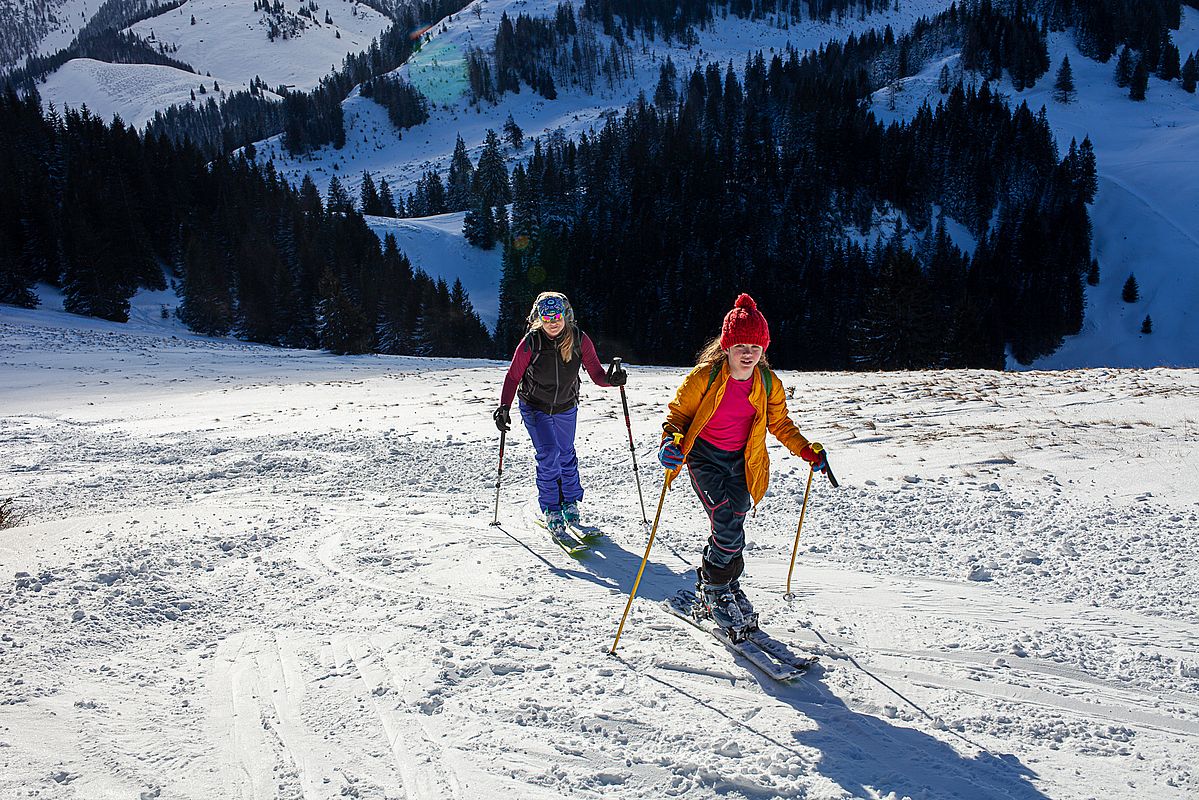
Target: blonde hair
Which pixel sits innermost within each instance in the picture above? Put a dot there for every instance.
(712, 354)
(566, 344)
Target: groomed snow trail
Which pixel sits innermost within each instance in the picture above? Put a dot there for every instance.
(255, 573)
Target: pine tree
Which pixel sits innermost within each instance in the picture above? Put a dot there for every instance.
(370, 201)
(491, 176)
(387, 206)
(1140, 81)
(1168, 68)
(1093, 273)
(459, 179)
(1124, 68)
(1190, 74)
(337, 200)
(341, 326)
(1063, 86)
(1131, 292)
(1088, 174)
(512, 132)
(1147, 324)
(478, 227)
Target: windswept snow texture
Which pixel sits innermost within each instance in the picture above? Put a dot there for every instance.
(250, 572)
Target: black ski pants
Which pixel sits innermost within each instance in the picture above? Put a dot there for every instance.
(718, 477)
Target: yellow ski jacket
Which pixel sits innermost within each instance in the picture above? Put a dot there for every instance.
(697, 400)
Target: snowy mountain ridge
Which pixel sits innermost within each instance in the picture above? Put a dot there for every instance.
(1112, 333)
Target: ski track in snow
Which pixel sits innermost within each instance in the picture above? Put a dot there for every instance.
(256, 573)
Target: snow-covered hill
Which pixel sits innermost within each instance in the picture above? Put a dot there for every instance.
(231, 39)
(132, 91)
(1146, 214)
(229, 43)
(40, 27)
(253, 572)
(373, 144)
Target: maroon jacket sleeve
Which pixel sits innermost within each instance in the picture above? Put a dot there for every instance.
(516, 371)
(592, 363)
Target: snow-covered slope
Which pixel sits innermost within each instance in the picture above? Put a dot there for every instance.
(231, 38)
(436, 245)
(228, 43)
(374, 145)
(133, 91)
(42, 27)
(1146, 214)
(252, 572)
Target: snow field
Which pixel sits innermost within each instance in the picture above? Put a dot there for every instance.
(259, 572)
(132, 91)
(231, 37)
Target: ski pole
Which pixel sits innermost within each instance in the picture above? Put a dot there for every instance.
(788, 595)
(628, 423)
(678, 437)
(498, 479)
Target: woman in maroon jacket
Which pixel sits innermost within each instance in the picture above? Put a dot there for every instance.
(545, 375)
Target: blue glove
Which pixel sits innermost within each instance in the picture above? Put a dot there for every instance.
(670, 455)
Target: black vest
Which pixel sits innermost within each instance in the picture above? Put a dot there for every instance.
(550, 384)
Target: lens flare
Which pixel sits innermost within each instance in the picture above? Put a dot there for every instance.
(521, 242)
(419, 32)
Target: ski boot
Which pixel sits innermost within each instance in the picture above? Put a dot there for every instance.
(718, 603)
(556, 524)
(570, 513)
(747, 608)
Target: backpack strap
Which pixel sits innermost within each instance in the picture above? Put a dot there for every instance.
(767, 378)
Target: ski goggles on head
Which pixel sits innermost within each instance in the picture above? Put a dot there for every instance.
(551, 309)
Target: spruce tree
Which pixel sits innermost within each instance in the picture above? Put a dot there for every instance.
(1140, 82)
(341, 326)
(459, 179)
(1190, 74)
(1131, 292)
(512, 132)
(1168, 68)
(1147, 324)
(1093, 272)
(338, 199)
(370, 202)
(491, 176)
(478, 226)
(1063, 86)
(387, 206)
(1124, 68)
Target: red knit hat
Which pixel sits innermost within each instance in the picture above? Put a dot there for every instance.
(744, 325)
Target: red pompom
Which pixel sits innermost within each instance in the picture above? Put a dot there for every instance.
(745, 301)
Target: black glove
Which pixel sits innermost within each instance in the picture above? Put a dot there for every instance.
(616, 375)
(503, 421)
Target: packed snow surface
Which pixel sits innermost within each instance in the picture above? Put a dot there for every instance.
(248, 572)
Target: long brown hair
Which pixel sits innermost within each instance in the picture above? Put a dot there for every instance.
(566, 344)
(712, 354)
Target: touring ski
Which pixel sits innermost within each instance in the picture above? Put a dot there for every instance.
(758, 647)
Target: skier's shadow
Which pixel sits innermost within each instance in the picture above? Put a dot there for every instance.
(864, 754)
(858, 751)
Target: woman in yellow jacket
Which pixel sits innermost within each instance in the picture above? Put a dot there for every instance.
(723, 410)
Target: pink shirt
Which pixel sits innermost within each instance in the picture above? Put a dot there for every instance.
(729, 427)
